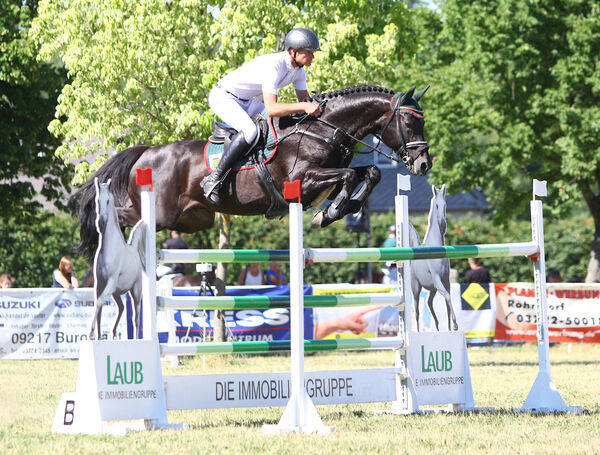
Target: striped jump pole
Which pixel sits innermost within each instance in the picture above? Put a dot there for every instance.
(255, 302)
(353, 254)
(257, 347)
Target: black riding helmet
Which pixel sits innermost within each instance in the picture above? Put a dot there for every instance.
(302, 38)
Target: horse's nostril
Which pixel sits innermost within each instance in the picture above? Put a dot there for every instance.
(425, 167)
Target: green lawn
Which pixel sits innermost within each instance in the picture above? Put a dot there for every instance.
(502, 378)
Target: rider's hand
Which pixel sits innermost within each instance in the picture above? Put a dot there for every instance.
(313, 109)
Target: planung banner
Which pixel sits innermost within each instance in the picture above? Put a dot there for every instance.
(573, 312)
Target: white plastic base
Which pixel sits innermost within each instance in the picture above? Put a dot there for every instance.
(299, 416)
(544, 398)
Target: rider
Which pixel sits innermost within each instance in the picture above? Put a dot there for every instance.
(237, 97)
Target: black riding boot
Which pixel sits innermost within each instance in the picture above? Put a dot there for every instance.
(212, 183)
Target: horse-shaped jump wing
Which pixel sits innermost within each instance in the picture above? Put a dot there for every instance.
(432, 274)
(118, 264)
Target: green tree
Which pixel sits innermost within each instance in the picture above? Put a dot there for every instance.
(516, 96)
(28, 93)
(141, 71)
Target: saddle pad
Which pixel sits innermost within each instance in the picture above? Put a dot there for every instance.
(213, 152)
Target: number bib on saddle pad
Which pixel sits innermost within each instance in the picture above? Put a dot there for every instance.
(213, 152)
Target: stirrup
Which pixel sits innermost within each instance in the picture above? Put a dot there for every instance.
(210, 186)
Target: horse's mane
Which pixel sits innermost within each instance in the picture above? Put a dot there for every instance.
(318, 97)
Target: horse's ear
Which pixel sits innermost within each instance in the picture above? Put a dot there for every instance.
(433, 190)
(420, 94)
(443, 190)
(96, 184)
(108, 182)
(408, 95)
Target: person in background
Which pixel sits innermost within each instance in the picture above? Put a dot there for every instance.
(173, 243)
(390, 242)
(391, 273)
(275, 275)
(88, 279)
(6, 281)
(251, 275)
(574, 279)
(554, 276)
(64, 276)
(478, 273)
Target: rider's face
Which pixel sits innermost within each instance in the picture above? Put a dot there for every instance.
(304, 57)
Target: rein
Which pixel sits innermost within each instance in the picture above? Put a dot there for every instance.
(403, 151)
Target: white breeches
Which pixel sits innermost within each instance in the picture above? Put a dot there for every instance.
(236, 112)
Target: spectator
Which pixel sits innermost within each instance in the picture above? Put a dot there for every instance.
(574, 279)
(174, 243)
(554, 276)
(390, 242)
(88, 279)
(251, 275)
(6, 281)
(275, 275)
(477, 273)
(391, 275)
(64, 276)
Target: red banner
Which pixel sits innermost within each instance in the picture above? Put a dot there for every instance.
(573, 312)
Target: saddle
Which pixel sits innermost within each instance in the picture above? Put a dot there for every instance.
(260, 152)
(223, 133)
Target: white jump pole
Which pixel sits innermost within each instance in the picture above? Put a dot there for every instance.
(149, 275)
(543, 397)
(406, 396)
(300, 414)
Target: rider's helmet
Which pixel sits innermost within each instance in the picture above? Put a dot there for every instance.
(302, 38)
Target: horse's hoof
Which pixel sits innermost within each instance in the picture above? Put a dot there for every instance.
(317, 220)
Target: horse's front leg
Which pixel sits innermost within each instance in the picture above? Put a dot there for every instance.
(370, 175)
(316, 181)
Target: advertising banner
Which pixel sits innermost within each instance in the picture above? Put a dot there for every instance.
(240, 325)
(50, 323)
(573, 312)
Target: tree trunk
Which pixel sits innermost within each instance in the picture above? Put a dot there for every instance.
(221, 276)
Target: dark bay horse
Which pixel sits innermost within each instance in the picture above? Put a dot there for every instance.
(317, 151)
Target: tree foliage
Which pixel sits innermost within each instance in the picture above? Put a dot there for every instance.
(516, 96)
(28, 92)
(140, 72)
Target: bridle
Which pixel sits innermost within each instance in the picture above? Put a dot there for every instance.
(403, 151)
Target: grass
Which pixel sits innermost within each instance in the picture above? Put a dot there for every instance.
(502, 378)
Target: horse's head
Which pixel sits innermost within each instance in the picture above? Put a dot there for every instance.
(438, 207)
(105, 204)
(402, 131)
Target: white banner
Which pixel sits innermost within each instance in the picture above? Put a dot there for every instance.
(50, 323)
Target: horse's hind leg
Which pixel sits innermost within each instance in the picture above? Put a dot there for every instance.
(136, 298)
(444, 289)
(431, 310)
(117, 299)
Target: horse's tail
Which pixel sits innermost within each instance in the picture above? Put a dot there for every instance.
(117, 169)
(137, 239)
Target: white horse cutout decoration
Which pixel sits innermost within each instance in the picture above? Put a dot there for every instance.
(432, 274)
(118, 264)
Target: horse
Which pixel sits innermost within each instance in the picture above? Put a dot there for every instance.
(118, 264)
(432, 274)
(315, 150)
